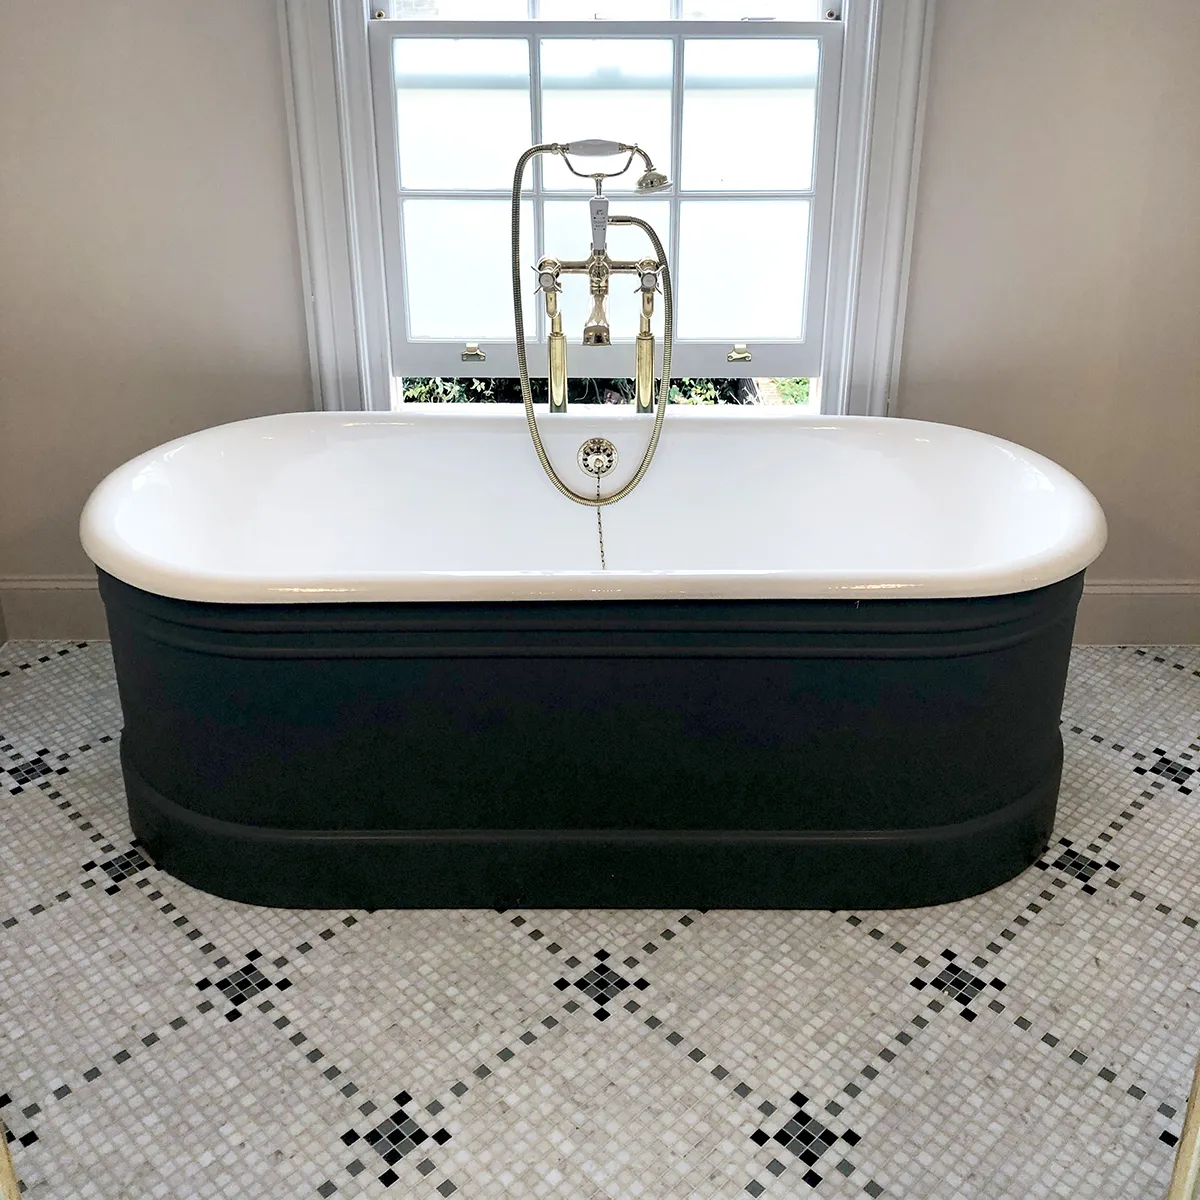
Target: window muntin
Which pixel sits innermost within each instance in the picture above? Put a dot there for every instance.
(745, 223)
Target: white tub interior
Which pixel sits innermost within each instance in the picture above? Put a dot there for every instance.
(436, 505)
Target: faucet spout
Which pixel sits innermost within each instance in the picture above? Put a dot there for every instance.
(596, 330)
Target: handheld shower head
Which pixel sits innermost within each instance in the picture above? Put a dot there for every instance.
(652, 181)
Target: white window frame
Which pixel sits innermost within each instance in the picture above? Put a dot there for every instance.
(696, 357)
(883, 64)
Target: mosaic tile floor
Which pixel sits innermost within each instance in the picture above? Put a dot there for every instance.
(1035, 1041)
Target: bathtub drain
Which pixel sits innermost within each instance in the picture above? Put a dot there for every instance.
(597, 456)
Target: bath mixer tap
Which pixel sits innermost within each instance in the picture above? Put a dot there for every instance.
(599, 267)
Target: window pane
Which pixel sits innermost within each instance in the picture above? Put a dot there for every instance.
(605, 10)
(740, 10)
(611, 89)
(568, 236)
(748, 114)
(742, 268)
(462, 110)
(458, 278)
(460, 10)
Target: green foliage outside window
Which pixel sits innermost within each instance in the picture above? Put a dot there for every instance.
(607, 391)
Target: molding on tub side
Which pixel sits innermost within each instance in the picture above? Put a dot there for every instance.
(51, 606)
(1146, 612)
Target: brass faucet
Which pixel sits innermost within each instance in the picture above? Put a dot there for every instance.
(599, 267)
(549, 270)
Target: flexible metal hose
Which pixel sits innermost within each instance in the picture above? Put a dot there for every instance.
(664, 389)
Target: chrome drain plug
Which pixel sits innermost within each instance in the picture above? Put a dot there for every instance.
(597, 456)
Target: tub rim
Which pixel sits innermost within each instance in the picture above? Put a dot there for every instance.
(143, 570)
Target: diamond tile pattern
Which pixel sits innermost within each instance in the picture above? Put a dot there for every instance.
(1036, 1041)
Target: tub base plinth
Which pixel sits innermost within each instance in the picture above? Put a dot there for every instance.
(550, 868)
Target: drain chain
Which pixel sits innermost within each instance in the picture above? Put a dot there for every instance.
(600, 527)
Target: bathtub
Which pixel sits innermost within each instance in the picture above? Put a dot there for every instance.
(372, 660)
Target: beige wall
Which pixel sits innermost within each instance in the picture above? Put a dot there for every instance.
(149, 270)
(1054, 291)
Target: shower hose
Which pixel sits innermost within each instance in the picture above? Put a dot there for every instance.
(664, 389)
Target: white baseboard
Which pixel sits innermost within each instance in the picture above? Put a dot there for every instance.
(1148, 612)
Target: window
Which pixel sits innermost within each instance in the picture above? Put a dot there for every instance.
(405, 248)
(740, 115)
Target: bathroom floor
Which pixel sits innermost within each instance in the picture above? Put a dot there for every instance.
(1034, 1041)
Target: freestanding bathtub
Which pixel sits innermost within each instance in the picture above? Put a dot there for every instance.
(372, 660)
